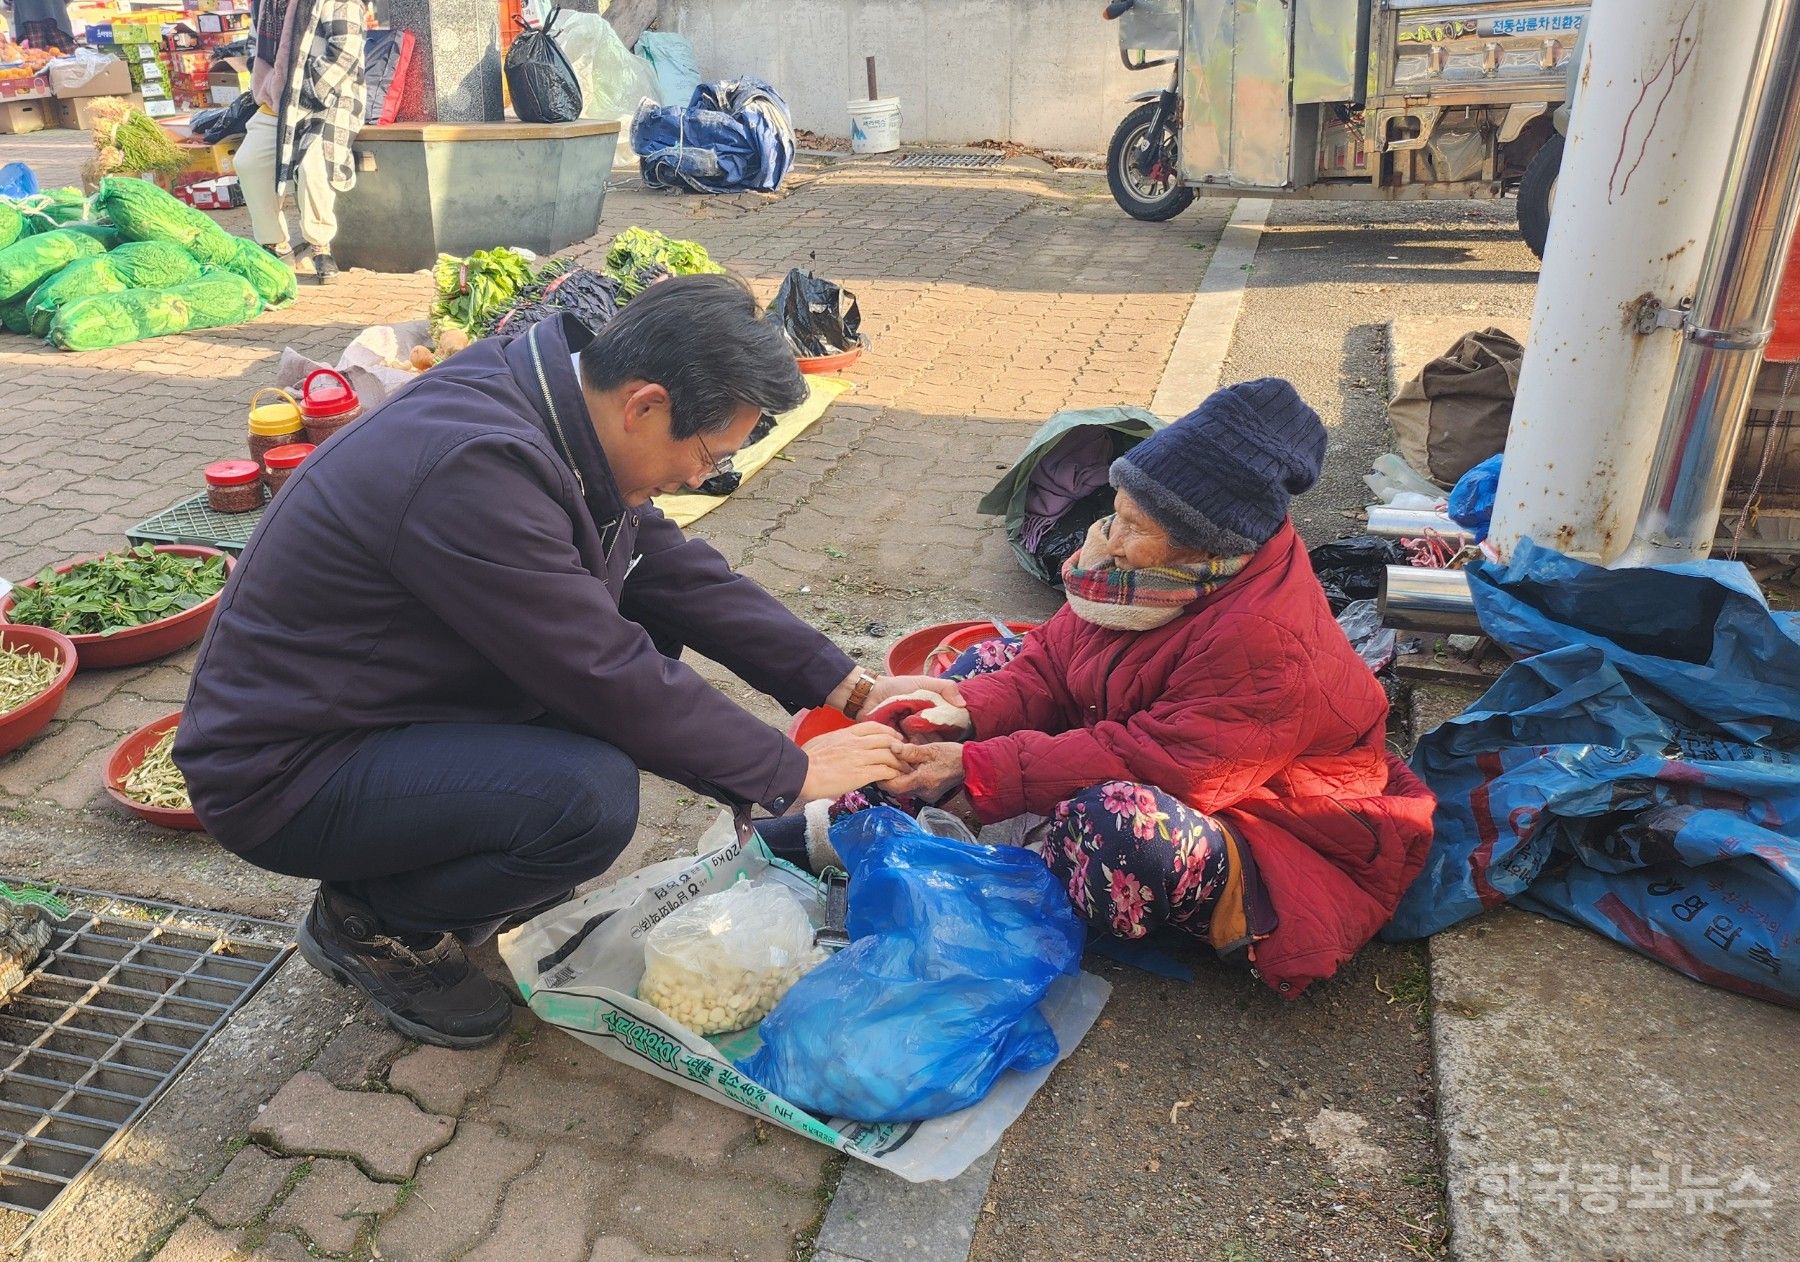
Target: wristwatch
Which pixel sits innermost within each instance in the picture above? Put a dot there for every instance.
(859, 695)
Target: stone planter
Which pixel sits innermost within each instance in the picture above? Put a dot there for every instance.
(424, 189)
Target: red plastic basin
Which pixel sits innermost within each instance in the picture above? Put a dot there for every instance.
(126, 755)
(829, 363)
(20, 725)
(930, 650)
(148, 642)
(810, 723)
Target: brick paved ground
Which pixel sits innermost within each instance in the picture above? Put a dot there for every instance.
(993, 299)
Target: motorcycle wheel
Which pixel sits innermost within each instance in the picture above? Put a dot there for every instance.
(1150, 196)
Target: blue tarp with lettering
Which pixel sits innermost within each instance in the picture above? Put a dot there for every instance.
(1637, 771)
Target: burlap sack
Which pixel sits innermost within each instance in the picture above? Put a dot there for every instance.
(1455, 413)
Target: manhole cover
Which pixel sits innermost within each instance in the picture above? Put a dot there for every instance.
(948, 160)
(124, 996)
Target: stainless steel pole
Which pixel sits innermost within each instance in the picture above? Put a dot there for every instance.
(1734, 303)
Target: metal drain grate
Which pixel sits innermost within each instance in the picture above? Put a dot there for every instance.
(113, 1010)
(948, 160)
(193, 522)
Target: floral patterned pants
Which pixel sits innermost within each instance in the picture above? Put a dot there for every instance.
(1132, 858)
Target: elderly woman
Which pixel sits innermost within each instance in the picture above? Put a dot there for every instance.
(1204, 747)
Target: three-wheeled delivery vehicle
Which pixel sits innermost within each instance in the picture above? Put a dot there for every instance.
(1345, 99)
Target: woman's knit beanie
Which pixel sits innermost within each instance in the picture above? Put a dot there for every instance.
(1220, 478)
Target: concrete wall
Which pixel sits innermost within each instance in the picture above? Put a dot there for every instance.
(1039, 72)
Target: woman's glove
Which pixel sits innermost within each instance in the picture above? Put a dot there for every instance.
(924, 717)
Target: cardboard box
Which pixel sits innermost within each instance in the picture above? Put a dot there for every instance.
(159, 107)
(19, 117)
(232, 73)
(24, 89)
(77, 112)
(154, 70)
(115, 80)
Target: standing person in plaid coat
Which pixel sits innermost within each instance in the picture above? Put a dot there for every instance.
(307, 77)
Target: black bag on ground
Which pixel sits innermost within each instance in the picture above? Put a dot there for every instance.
(819, 316)
(542, 82)
(1352, 569)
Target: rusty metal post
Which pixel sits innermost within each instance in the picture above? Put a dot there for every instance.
(1662, 86)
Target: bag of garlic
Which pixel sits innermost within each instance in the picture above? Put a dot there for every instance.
(721, 962)
(581, 967)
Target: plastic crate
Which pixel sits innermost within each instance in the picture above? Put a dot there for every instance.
(192, 521)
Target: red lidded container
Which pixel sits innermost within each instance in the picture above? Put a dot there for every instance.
(327, 403)
(234, 486)
(282, 461)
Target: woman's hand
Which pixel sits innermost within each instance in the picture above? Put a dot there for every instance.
(890, 686)
(842, 761)
(933, 771)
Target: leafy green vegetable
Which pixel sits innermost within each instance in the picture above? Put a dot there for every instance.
(117, 591)
(638, 256)
(219, 299)
(472, 290)
(23, 675)
(134, 265)
(27, 261)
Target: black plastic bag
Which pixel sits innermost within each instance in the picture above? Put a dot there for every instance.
(224, 121)
(1351, 569)
(542, 82)
(819, 316)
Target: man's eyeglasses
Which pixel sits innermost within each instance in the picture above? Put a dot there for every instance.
(719, 467)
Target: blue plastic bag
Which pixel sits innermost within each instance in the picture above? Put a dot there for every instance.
(1472, 498)
(17, 180)
(1639, 774)
(953, 947)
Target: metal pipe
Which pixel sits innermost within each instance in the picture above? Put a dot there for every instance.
(1427, 600)
(1662, 83)
(1411, 523)
(1734, 304)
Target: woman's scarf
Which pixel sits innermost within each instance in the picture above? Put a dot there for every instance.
(1137, 600)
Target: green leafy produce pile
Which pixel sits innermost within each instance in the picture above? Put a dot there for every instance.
(143, 212)
(117, 591)
(134, 265)
(218, 300)
(638, 257)
(23, 676)
(471, 291)
(30, 260)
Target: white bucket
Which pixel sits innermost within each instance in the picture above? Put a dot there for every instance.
(875, 125)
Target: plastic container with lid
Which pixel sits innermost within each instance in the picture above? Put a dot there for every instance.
(327, 403)
(282, 461)
(234, 486)
(274, 424)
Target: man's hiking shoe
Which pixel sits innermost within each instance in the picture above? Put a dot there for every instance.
(423, 985)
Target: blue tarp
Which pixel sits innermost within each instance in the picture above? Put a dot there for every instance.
(1638, 772)
(733, 137)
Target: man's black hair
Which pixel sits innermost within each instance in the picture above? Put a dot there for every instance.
(702, 339)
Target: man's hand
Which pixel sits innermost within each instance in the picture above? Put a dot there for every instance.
(933, 771)
(839, 762)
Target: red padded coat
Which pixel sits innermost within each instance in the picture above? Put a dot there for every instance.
(1251, 707)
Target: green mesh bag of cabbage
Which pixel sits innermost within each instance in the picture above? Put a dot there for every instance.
(217, 300)
(134, 265)
(13, 316)
(143, 212)
(23, 264)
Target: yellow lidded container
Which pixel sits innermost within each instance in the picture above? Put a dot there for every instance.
(273, 424)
